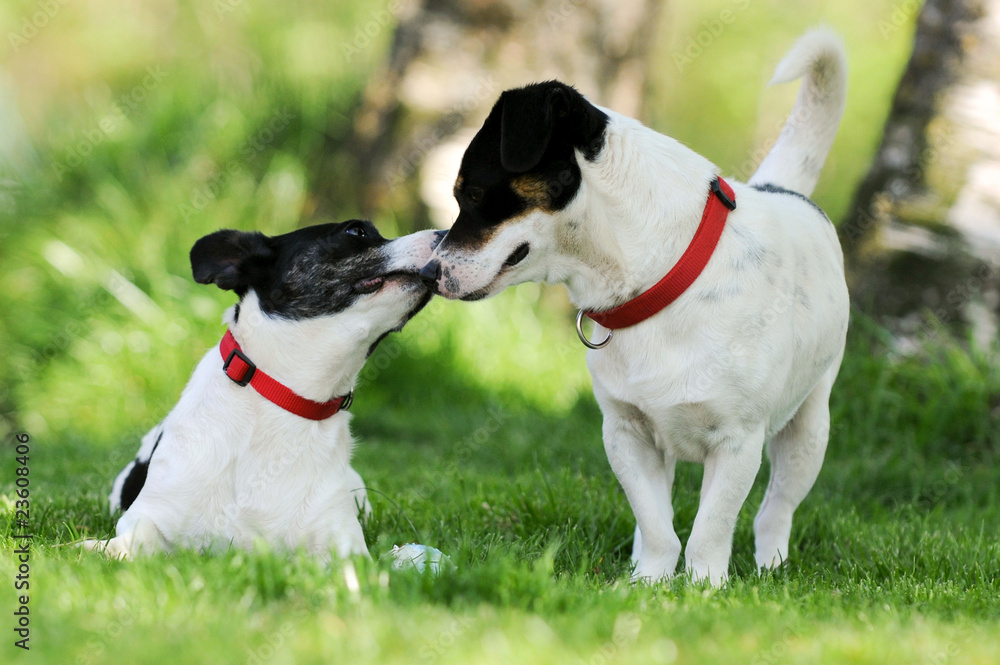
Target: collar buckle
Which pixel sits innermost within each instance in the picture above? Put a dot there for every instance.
(722, 196)
(240, 379)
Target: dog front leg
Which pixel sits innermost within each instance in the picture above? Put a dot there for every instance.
(143, 536)
(730, 471)
(669, 466)
(646, 479)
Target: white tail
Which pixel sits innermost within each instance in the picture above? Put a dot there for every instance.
(797, 157)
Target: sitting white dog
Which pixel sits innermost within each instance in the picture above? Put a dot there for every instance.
(728, 303)
(258, 447)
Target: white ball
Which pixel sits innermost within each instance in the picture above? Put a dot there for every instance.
(417, 557)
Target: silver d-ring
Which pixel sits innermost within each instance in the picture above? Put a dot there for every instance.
(583, 338)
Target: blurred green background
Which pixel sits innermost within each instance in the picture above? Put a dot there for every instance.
(148, 124)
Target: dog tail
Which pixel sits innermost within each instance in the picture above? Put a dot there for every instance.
(797, 157)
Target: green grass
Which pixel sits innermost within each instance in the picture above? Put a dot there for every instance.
(895, 553)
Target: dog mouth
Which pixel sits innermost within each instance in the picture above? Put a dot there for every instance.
(373, 284)
(420, 304)
(476, 295)
(515, 257)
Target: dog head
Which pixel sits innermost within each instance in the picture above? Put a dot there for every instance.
(517, 177)
(320, 273)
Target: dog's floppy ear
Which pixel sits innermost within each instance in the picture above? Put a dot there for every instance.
(231, 259)
(532, 115)
(526, 127)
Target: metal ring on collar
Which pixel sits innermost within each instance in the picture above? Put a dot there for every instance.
(583, 338)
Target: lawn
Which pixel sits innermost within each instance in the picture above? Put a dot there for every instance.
(476, 429)
(895, 554)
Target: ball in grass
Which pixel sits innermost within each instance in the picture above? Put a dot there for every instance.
(418, 557)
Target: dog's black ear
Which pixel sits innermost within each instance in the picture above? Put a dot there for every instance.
(526, 127)
(231, 260)
(532, 115)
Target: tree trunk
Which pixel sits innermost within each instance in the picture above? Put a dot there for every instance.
(925, 229)
(449, 61)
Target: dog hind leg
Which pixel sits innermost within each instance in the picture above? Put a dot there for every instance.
(796, 454)
(729, 475)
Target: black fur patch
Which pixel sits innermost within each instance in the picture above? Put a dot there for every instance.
(137, 478)
(524, 158)
(774, 189)
(306, 273)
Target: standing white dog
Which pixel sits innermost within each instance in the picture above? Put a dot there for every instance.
(258, 447)
(729, 303)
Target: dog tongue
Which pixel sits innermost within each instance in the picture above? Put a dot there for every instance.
(369, 285)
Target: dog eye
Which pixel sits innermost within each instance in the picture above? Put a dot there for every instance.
(475, 194)
(356, 230)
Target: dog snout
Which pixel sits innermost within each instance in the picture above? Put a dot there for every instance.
(431, 273)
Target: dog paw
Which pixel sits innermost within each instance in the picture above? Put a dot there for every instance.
(92, 545)
(714, 576)
(653, 572)
(114, 548)
(648, 580)
(770, 559)
(117, 549)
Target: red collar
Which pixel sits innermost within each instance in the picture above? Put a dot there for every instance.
(242, 371)
(721, 200)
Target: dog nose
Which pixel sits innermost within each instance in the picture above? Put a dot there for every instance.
(431, 273)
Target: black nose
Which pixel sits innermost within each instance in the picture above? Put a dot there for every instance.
(431, 273)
